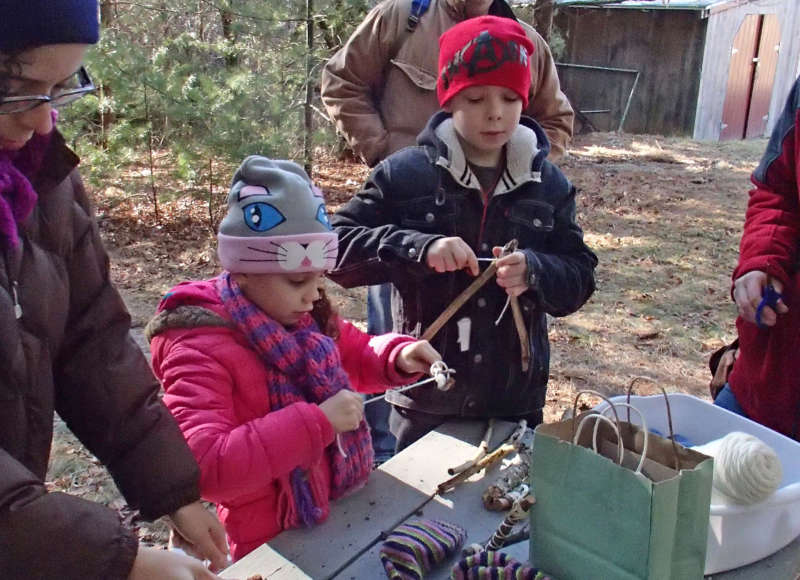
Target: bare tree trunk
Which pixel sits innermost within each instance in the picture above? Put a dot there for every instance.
(543, 18)
(107, 118)
(308, 119)
(226, 19)
(212, 214)
(153, 191)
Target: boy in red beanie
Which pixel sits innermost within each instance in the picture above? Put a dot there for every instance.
(427, 215)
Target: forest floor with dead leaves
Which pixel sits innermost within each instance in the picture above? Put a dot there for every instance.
(664, 216)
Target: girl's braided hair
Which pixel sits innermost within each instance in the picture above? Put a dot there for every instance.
(325, 315)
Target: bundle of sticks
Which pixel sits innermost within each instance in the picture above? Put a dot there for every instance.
(484, 458)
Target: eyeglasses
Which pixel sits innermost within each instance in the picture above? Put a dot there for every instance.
(69, 91)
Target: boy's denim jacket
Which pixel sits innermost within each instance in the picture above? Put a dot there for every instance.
(427, 192)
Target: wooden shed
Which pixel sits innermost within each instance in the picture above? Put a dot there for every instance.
(711, 69)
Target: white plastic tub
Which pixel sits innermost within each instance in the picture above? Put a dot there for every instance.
(737, 535)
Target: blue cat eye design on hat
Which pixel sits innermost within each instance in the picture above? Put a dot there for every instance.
(322, 217)
(68, 91)
(262, 217)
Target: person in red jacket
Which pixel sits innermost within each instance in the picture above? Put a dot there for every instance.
(764, 384)
(258, 369)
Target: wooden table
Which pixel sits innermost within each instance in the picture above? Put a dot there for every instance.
(346, 546)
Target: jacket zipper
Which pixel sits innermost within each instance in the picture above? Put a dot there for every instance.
(17, 305)
(14, 286)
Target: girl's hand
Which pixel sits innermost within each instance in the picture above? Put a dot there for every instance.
(747, 292)
(451, 254)
(344, 410)
(511, 272)
(201, 529)
(417, 357)
(158, 564)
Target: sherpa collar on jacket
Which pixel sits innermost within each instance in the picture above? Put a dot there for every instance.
(525, 153)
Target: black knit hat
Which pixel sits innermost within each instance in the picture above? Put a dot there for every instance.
(27, 24)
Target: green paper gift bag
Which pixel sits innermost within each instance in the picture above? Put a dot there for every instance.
(633, 506)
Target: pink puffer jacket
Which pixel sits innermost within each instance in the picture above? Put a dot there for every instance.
(215, 387)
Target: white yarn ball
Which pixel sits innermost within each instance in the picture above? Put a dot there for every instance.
(746, 469)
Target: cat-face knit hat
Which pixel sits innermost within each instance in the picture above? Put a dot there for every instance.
(26, 24)
(487, 50)
(276, 221)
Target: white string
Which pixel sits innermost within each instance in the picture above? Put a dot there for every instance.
(339, 444)
(505, 307)
(440, 375)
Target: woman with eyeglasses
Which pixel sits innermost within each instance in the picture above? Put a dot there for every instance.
(64, 343)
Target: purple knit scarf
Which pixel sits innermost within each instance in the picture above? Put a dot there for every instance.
(303, 365)
(17, 196)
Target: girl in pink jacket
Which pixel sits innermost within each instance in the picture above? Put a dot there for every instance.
(258, 369)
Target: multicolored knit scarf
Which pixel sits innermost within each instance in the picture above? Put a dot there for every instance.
(17, 196)
(303, 365)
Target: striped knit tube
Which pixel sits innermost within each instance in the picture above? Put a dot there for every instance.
(494, 565)
(416, 547)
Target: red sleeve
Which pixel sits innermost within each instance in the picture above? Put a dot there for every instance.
(772, 222)
(370, 360)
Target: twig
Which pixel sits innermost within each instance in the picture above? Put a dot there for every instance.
(459, 301)
(519, 512)
(483, 449)
(519, 322)
(495, 456)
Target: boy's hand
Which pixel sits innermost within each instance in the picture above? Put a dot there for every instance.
(747, 292)
(417, 357)
(344, 410)
(511, 272)
(451, 254)
(201, 530)
(158, 564)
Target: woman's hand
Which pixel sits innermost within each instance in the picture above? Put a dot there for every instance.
(417, 357)
(201, 529)
(511, 272)
(158, 564)
(344, 410)
(748, 290)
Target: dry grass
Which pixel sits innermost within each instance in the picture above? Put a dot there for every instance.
(664, 216)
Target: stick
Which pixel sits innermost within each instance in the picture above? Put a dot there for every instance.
(459, 301)
(518, 513)
(519, 322)
(483, 449)
(495, 456)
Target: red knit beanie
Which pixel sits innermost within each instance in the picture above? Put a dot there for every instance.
(488, 50)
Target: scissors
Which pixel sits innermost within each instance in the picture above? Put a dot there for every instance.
(770, 298)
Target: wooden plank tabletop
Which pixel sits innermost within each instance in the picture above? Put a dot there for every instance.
(266, 562)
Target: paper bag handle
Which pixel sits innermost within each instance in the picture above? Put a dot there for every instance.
(597, 418)
(644, 430)
(669, 414)
(596, 394)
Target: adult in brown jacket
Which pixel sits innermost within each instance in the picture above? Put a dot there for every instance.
(380, 87)
(64, 342)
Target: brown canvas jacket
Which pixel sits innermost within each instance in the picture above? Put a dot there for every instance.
(70, 352)
(380, 88)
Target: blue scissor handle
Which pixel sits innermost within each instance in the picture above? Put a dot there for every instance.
(769, 298)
